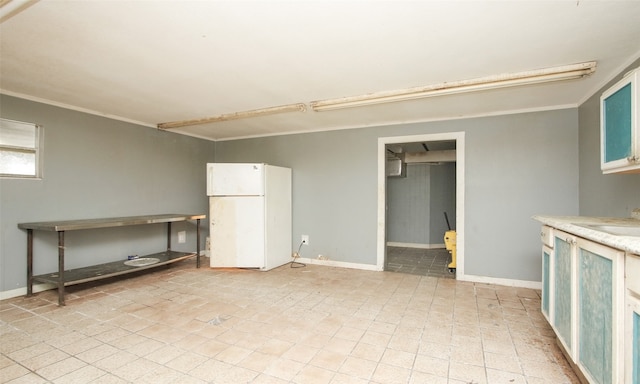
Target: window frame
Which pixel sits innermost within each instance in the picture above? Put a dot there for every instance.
(37, 151)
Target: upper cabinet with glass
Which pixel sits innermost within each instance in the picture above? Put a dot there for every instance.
(619, 129)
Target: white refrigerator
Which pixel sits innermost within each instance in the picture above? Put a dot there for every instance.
(250, 215)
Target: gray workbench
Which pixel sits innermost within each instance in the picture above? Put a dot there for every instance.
(64, 277)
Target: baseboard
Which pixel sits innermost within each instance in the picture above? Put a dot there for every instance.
(470, 278)
(4, 295)
(501, 281)
(415, 245)
(341, 264)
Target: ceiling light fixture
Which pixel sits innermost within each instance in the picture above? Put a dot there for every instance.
(10, 8)
(566, 72)
(235, 116)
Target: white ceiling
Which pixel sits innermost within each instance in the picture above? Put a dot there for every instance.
(153, 62)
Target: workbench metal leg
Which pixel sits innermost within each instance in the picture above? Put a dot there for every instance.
(61, 268)
(197, 243)
(168, 236)
(29, 262)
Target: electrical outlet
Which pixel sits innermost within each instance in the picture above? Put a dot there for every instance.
(182, 237)
(305, 239)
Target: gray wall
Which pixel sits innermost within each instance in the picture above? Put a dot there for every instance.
(416, 204)
(334, 183)
(602, 195)
(98, 167)
(443, 199)
(516, 166)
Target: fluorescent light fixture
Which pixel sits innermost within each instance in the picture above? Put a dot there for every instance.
(235, 116)
(566, 72)
(10, 8)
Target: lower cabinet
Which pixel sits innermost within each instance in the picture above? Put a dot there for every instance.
(632, 372)
(547, 282)
(632, 319)
(600, 295)
(584, 301)
(564, 289)
(546, 302)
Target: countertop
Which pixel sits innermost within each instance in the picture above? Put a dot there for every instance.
(573, 225)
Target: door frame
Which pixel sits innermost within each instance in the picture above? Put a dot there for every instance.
(382, 192)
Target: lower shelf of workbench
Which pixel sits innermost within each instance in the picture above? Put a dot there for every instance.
(106, 270)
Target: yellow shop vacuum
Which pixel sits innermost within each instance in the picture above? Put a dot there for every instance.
(450, 244)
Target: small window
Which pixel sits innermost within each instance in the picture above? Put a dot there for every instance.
(20, 149)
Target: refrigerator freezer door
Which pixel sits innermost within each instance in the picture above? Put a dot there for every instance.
(237, 231)
(235, 179)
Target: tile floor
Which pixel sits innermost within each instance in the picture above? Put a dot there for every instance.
(416, 261)
(314, 324)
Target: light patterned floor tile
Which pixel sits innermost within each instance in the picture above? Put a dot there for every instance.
(357, 367)
(13, 371)
(301, 353)
(313, 375)
(60, 368)
(505, 363)
(398, 358)
(83, 375)
(284, 369)
(422, 378)
(391, 374)
(431, 365)
(309, 325)
(501, 377)
(368, 351)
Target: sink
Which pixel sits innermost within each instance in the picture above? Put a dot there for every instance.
(141, 262)
(618, 230)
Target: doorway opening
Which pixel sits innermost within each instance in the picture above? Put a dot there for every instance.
(420, 197)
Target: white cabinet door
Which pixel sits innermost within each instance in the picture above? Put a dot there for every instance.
(632, 319)
(619, 126)
(237, 231)
(548, 267)
(632, 339)
(564, 290)
(600, 301)
(546, 304)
